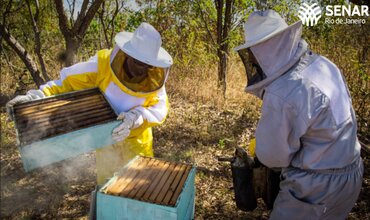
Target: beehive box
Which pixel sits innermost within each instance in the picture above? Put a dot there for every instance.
(63, 126)
(148, 188)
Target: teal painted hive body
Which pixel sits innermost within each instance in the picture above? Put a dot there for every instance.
(63, 126)
(128, 205)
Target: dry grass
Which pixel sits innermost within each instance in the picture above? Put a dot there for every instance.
(199, 85)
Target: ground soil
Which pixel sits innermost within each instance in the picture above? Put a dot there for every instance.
(192, 133)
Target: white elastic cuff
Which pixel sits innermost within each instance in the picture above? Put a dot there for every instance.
(35, 94)
(138, 120)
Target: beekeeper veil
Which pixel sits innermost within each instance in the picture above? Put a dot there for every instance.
(271, 48)
(144, 46)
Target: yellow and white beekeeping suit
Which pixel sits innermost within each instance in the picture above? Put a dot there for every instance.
(149, 97)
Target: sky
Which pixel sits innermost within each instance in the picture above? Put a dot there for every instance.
(130, 3)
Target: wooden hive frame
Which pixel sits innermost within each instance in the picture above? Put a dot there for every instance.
(150, 180)
(45, 118)
(63, 126)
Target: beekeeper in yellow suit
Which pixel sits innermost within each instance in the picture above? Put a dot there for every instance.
(132, 77)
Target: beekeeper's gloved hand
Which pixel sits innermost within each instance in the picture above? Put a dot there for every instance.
(130, 120)
(30, 95)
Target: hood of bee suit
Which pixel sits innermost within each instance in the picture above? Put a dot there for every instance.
(277, 55)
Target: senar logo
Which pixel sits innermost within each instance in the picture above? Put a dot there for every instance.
(346, 14)
(309, 14)
(334, 14)
(342, 10)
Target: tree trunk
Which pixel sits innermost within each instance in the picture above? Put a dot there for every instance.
(221, 74)
(222, 64)
(74, 33)
(223, 28)
(72, 45)
(23, 54)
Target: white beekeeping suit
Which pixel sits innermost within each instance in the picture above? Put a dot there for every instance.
(140, 99)
(308, 126)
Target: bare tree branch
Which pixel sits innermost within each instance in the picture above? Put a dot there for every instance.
(107, 19)
(219, 6)
(115, 13)
(81, 14)
(23, 54)
(102, 21)
(205, 23)
(63, 20)
(88, 17)
(37, 38)
(227, 22)
(71, 8)
(7, 11)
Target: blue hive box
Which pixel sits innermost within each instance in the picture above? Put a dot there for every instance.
(63, 126)
(120, 206)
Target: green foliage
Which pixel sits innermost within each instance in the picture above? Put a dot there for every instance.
(134, 21)
(221, 143)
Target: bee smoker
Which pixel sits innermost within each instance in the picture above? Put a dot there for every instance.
(252, 180)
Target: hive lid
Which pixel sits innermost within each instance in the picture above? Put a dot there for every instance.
(151, 180)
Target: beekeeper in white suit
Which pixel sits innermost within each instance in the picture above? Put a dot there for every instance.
(308, 126)
(132, 76)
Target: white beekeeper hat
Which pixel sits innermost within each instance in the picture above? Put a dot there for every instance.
(144, 45)
(263, 25)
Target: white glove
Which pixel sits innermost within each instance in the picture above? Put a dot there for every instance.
(30, 95)
(130, 120)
